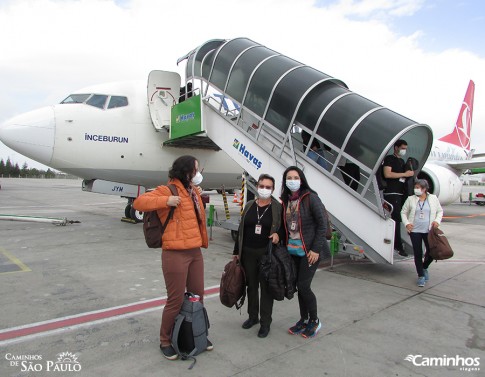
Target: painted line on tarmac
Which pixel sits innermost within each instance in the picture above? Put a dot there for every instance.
(58, 325)
(22, 267)
(464, 216)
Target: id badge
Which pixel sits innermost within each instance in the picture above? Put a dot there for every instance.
(257, 229)
(421, 215)
(293, 225)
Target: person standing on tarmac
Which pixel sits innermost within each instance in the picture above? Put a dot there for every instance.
(395, 174)
(303, 230)
(186, 233)
(421, 212)
(260, 223)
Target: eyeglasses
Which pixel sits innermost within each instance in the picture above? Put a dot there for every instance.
(265, 187)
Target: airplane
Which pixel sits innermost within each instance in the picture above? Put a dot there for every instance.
(451, 155)
(114, 136)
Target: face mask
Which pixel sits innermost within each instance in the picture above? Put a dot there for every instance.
(264, 193)
(418, 192)
(293, 184)
(402, 152)
(197, 180)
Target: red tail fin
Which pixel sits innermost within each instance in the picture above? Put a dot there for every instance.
(463, 127)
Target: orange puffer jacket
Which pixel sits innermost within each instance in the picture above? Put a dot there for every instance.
(183, 230)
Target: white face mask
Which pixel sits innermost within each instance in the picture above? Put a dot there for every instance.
(264, 193)
(402, 152)
(197, 180)
(293, 184)
(418, 192)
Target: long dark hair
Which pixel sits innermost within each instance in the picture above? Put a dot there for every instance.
(183, 168)
(285, 191)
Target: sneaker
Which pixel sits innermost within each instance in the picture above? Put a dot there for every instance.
(298, 328)
(421, 281)
(426, 275)
(210, 347)
(312, 328)
(169, 352)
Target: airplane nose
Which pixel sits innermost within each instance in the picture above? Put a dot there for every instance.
(31, 134)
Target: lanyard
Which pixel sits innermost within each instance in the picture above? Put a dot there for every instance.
(257, 210)
(422, 206)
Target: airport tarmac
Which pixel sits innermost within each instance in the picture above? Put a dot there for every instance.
(85, 300)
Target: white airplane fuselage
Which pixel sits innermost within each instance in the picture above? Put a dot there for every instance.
(116, 144)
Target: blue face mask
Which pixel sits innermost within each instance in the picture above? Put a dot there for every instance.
(293, 184)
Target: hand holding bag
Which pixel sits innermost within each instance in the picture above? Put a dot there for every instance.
(439, 247)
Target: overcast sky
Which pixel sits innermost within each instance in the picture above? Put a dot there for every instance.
(414, 56)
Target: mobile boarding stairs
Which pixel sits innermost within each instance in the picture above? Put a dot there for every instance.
(256, 105)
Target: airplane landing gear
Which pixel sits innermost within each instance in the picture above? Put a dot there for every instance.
(131, 213)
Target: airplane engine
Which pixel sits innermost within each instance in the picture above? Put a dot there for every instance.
(443, 182)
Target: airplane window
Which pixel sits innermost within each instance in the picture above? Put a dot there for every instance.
(97, 100)
(117, 101)
(76, 98)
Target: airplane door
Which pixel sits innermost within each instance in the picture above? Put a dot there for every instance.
(163, 92)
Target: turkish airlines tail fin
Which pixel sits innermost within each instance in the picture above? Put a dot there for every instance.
(463, 127)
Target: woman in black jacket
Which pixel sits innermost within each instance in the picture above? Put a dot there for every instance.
(260, 223)
(303, 229)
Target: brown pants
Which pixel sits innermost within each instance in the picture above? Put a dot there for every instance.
(182, 269)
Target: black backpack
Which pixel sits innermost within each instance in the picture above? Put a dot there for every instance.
(152, 226)
(189, 334)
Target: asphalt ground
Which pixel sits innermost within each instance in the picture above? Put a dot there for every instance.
(85, 299)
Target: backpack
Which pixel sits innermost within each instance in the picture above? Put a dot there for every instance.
(381, 180)
(152, 226)
(233, 285)
(190, 330)
(439, 247)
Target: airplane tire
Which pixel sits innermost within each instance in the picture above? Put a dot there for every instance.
(136, 215)
(128, 211)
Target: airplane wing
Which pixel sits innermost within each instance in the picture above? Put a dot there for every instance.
(474, 163)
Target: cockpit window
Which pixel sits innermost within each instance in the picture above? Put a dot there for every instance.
(97, 100)
(76, 98)
(117, 101)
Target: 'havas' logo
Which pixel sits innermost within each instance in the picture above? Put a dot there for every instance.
(184, 117)
(467, 364)
(249, 156)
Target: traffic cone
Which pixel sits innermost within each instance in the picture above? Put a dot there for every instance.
(235, 199)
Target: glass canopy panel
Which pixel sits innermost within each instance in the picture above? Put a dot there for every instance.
(341, 117)
(225, 58)
(207, 64)
(264, 80)
(243, 69)
(202, 52)
(288, 94)
(373, 135)
(316, 101)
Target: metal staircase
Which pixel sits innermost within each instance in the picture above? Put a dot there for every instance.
(260, 106)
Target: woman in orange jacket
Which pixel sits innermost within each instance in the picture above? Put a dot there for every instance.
(185, 234)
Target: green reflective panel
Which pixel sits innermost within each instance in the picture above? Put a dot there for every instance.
(225, 58)
(264, 80)
(243, 69)
(373, 135)
(288, 94)
(341, 117)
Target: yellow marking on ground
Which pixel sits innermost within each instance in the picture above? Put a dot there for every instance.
(464, 216)
(14, 260)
